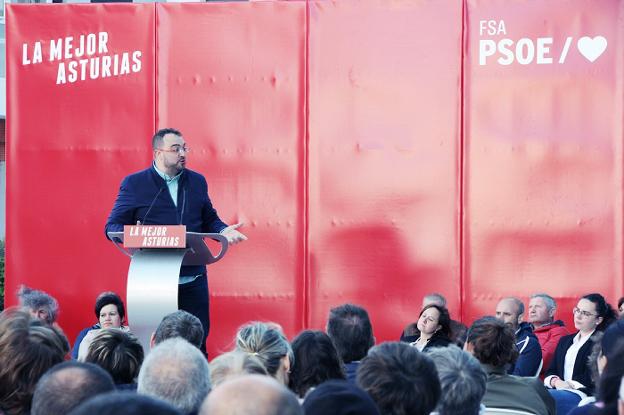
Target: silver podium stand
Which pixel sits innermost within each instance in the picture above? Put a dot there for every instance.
(152, 290)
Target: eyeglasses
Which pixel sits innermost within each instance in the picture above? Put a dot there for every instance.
(584, 313)
(176, 149)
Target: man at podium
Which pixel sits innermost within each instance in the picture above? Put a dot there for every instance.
(167, 193)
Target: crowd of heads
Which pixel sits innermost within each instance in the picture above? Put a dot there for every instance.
(339, 370)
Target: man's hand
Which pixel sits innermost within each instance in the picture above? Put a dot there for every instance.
(233, 236)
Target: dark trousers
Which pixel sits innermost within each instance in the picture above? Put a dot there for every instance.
(193, 298)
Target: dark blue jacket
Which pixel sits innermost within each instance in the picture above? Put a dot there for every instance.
(146, 188)
(529, 352)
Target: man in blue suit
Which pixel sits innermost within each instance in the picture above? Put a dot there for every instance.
(167, 193)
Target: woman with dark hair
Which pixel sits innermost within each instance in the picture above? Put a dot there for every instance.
(569, 376)
(110, 312)
(433, 329)
(316, 361)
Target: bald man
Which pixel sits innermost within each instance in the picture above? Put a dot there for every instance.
(251, 395)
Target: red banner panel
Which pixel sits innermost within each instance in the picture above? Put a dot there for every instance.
(231, 76)
(384, 158)
(543, 160)
(80, 117)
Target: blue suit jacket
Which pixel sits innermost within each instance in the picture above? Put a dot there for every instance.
(146, 188)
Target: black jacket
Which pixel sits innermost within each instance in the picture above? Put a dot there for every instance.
(437, 340)
(581, 372)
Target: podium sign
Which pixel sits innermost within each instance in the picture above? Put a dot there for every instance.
(154, 236)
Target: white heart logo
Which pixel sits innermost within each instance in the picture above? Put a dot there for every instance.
(592, 48)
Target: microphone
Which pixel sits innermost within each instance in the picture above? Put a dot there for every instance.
(150, 206)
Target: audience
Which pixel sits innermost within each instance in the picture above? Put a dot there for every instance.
(119, 353)
(339, 397)
(568, 376)
(492, 342)
(432, 329)
(39, 304)
(176, 372)
(126, 403)
(179, 324)
(316, 361)
(110, 313)
(66, 385)
(510, 311)
(350, 329)
(542, 309)
(232, 364)
(621, 307)
(458, 329)
(462, 381)
(269, 345)
(251, 395)
(28, 348)
(400, 379)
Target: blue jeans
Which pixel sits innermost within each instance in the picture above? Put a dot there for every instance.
(565, 401)
(193, 298)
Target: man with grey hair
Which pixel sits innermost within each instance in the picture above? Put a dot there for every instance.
(176, 372)
(510, 310)
(462, 381)
(251, 395)
(433, 298)
(542, 308)
(179, 324)
(39, 304)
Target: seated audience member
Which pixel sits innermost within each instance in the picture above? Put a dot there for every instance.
(269, 345)
(542, 309)
(28, 348)
(569, 376)
(510, 311)
(126, 403)
(400, 379)
(179, 324)
(67, 385)
(110, 312)
(176, 372)
(232, 364)
(458, 329)
(39, 304)
(621, 307)
(431, 330)
(462, 381)
(350, 329)
(339, 397)
(492, 342)
(251, 395)
(120, 354)
(316, 360)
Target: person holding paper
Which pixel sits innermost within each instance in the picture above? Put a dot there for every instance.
(167, 193)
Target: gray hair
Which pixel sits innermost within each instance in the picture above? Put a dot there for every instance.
(176, 372)
(550, 302)
(436, 298)
(36, 300)
(518, 302)
(462, 380)
(267, 343)
(180, 324)
(234, 363)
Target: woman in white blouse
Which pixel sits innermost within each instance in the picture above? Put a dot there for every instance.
(569, 376)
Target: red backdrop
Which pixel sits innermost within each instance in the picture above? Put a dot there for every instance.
(376, 150)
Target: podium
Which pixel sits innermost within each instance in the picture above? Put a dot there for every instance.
(152, 288)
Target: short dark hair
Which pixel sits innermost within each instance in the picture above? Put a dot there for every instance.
(609, 383)
(316, 360)
(28, 348)
(157, 139)
(400, 379)
(603, 309)
(444, 321)
(180, 324)
(127, 403)
(118, 352)
(106, 298)
(68, 384)
(493, 342)
(350, 329)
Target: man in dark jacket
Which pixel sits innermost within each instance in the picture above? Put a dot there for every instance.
(167, 193)
(510, 310)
